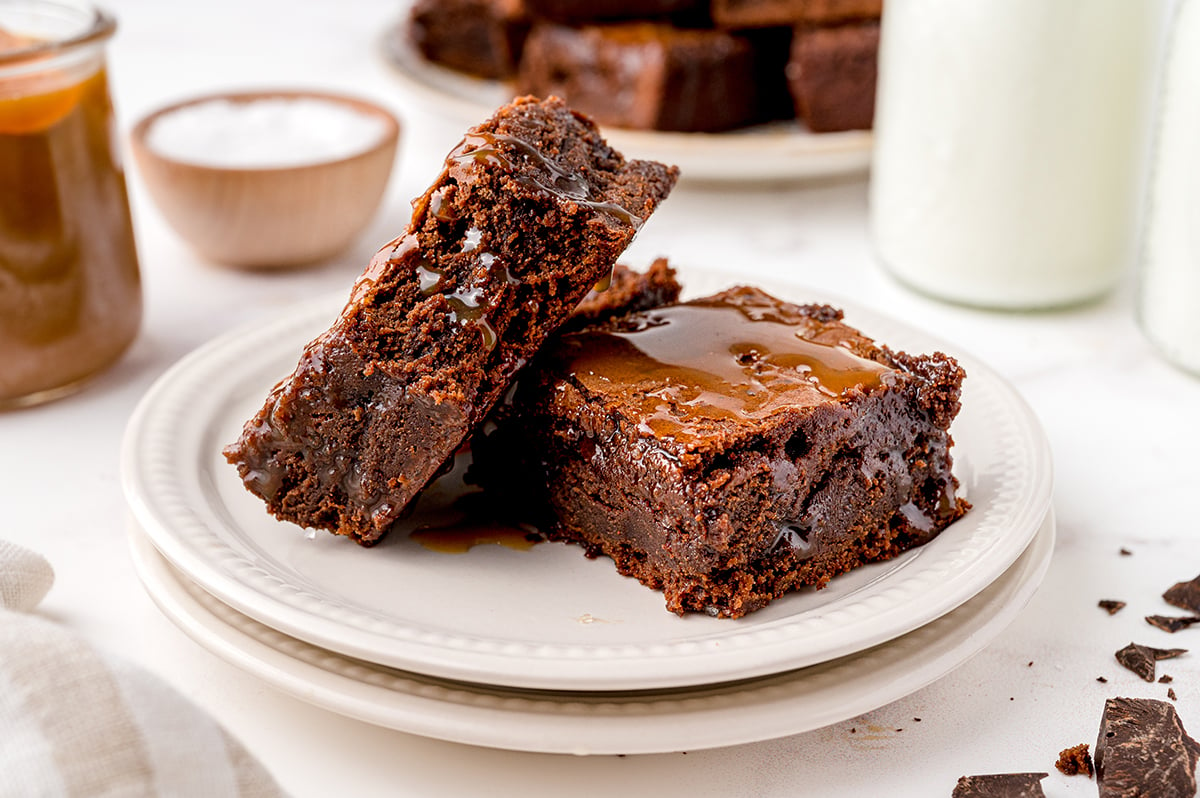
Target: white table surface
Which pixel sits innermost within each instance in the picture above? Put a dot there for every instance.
(1121, 422)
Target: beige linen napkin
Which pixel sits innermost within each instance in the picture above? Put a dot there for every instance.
(76, 721)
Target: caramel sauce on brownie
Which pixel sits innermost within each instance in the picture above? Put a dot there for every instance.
(717, 360)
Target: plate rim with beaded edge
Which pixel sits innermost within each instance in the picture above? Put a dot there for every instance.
(774, 152)
(546, 618)
(642, 722)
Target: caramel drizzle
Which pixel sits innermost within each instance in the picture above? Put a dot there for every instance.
(714, 361)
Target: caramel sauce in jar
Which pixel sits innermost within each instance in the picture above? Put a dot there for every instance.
(70, 291)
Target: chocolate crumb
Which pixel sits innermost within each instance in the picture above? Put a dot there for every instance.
(1172, 624)
(1112, 605)
(1165, 679)
(916, 720)
(1125, 552)
(1143, 749)
(1171, 694)
(1102, 680)
(1030, 665)
(1000, 785)
(853, 730)
(1075, 760)
(899, 730)
(1185, 595)
(1140, 659)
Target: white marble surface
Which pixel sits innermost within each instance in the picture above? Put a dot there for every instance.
(1122, 424)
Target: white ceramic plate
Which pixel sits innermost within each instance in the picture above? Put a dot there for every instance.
(549, 617)
(778, 151)
(599, 723)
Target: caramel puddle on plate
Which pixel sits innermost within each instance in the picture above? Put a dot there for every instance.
(476, 526)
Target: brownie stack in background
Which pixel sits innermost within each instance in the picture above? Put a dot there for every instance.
(680, 65)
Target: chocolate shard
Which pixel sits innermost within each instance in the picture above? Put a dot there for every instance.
(1143, 750)
(1000, 785)
(1140, 659)
(1111, 605)
(1075, 760)
(1185, 595)
(1172, 623)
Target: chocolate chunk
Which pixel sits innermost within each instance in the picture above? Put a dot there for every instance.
(1111, 605)
(1001, 785)
(1185, 595)
(1140, 659)
(1143, 750)
(1172, 623)
(1075, 760)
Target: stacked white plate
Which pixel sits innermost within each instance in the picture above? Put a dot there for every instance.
(543, 649)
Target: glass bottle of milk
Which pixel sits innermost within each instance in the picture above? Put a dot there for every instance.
(1010, 146)
(1169, 289)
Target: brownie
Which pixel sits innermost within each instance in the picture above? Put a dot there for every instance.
(1143, 750)
(582, 11)
(832, 74)
(730, 449)
(479, 37)
(530, 211)
(625, 291)
(646, 76)
(764, 13)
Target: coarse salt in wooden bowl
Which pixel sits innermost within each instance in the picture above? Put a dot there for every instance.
(267, 179)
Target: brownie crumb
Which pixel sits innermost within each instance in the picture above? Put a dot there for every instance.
(1140, 659)
(1171, 694)
(1165, 679)
(1102, 680)
(1113, 606)
(1172, 624)
(1000, 785)
(1075, 760)
(1143, 749)
(1125, 552)
(1185, 595)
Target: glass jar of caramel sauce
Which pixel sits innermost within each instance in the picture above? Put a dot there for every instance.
(70, 292)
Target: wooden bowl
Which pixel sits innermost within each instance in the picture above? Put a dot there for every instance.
(270, 217)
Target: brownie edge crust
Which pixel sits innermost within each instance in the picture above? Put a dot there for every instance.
(731, 449)
(530, 211)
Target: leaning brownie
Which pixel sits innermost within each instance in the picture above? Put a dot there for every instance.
(479, 37)
(531, 211)
(730, 449)
(832, 75)
(645, 76)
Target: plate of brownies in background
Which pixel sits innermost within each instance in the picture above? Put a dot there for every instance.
(510, 463)
(725, 89)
